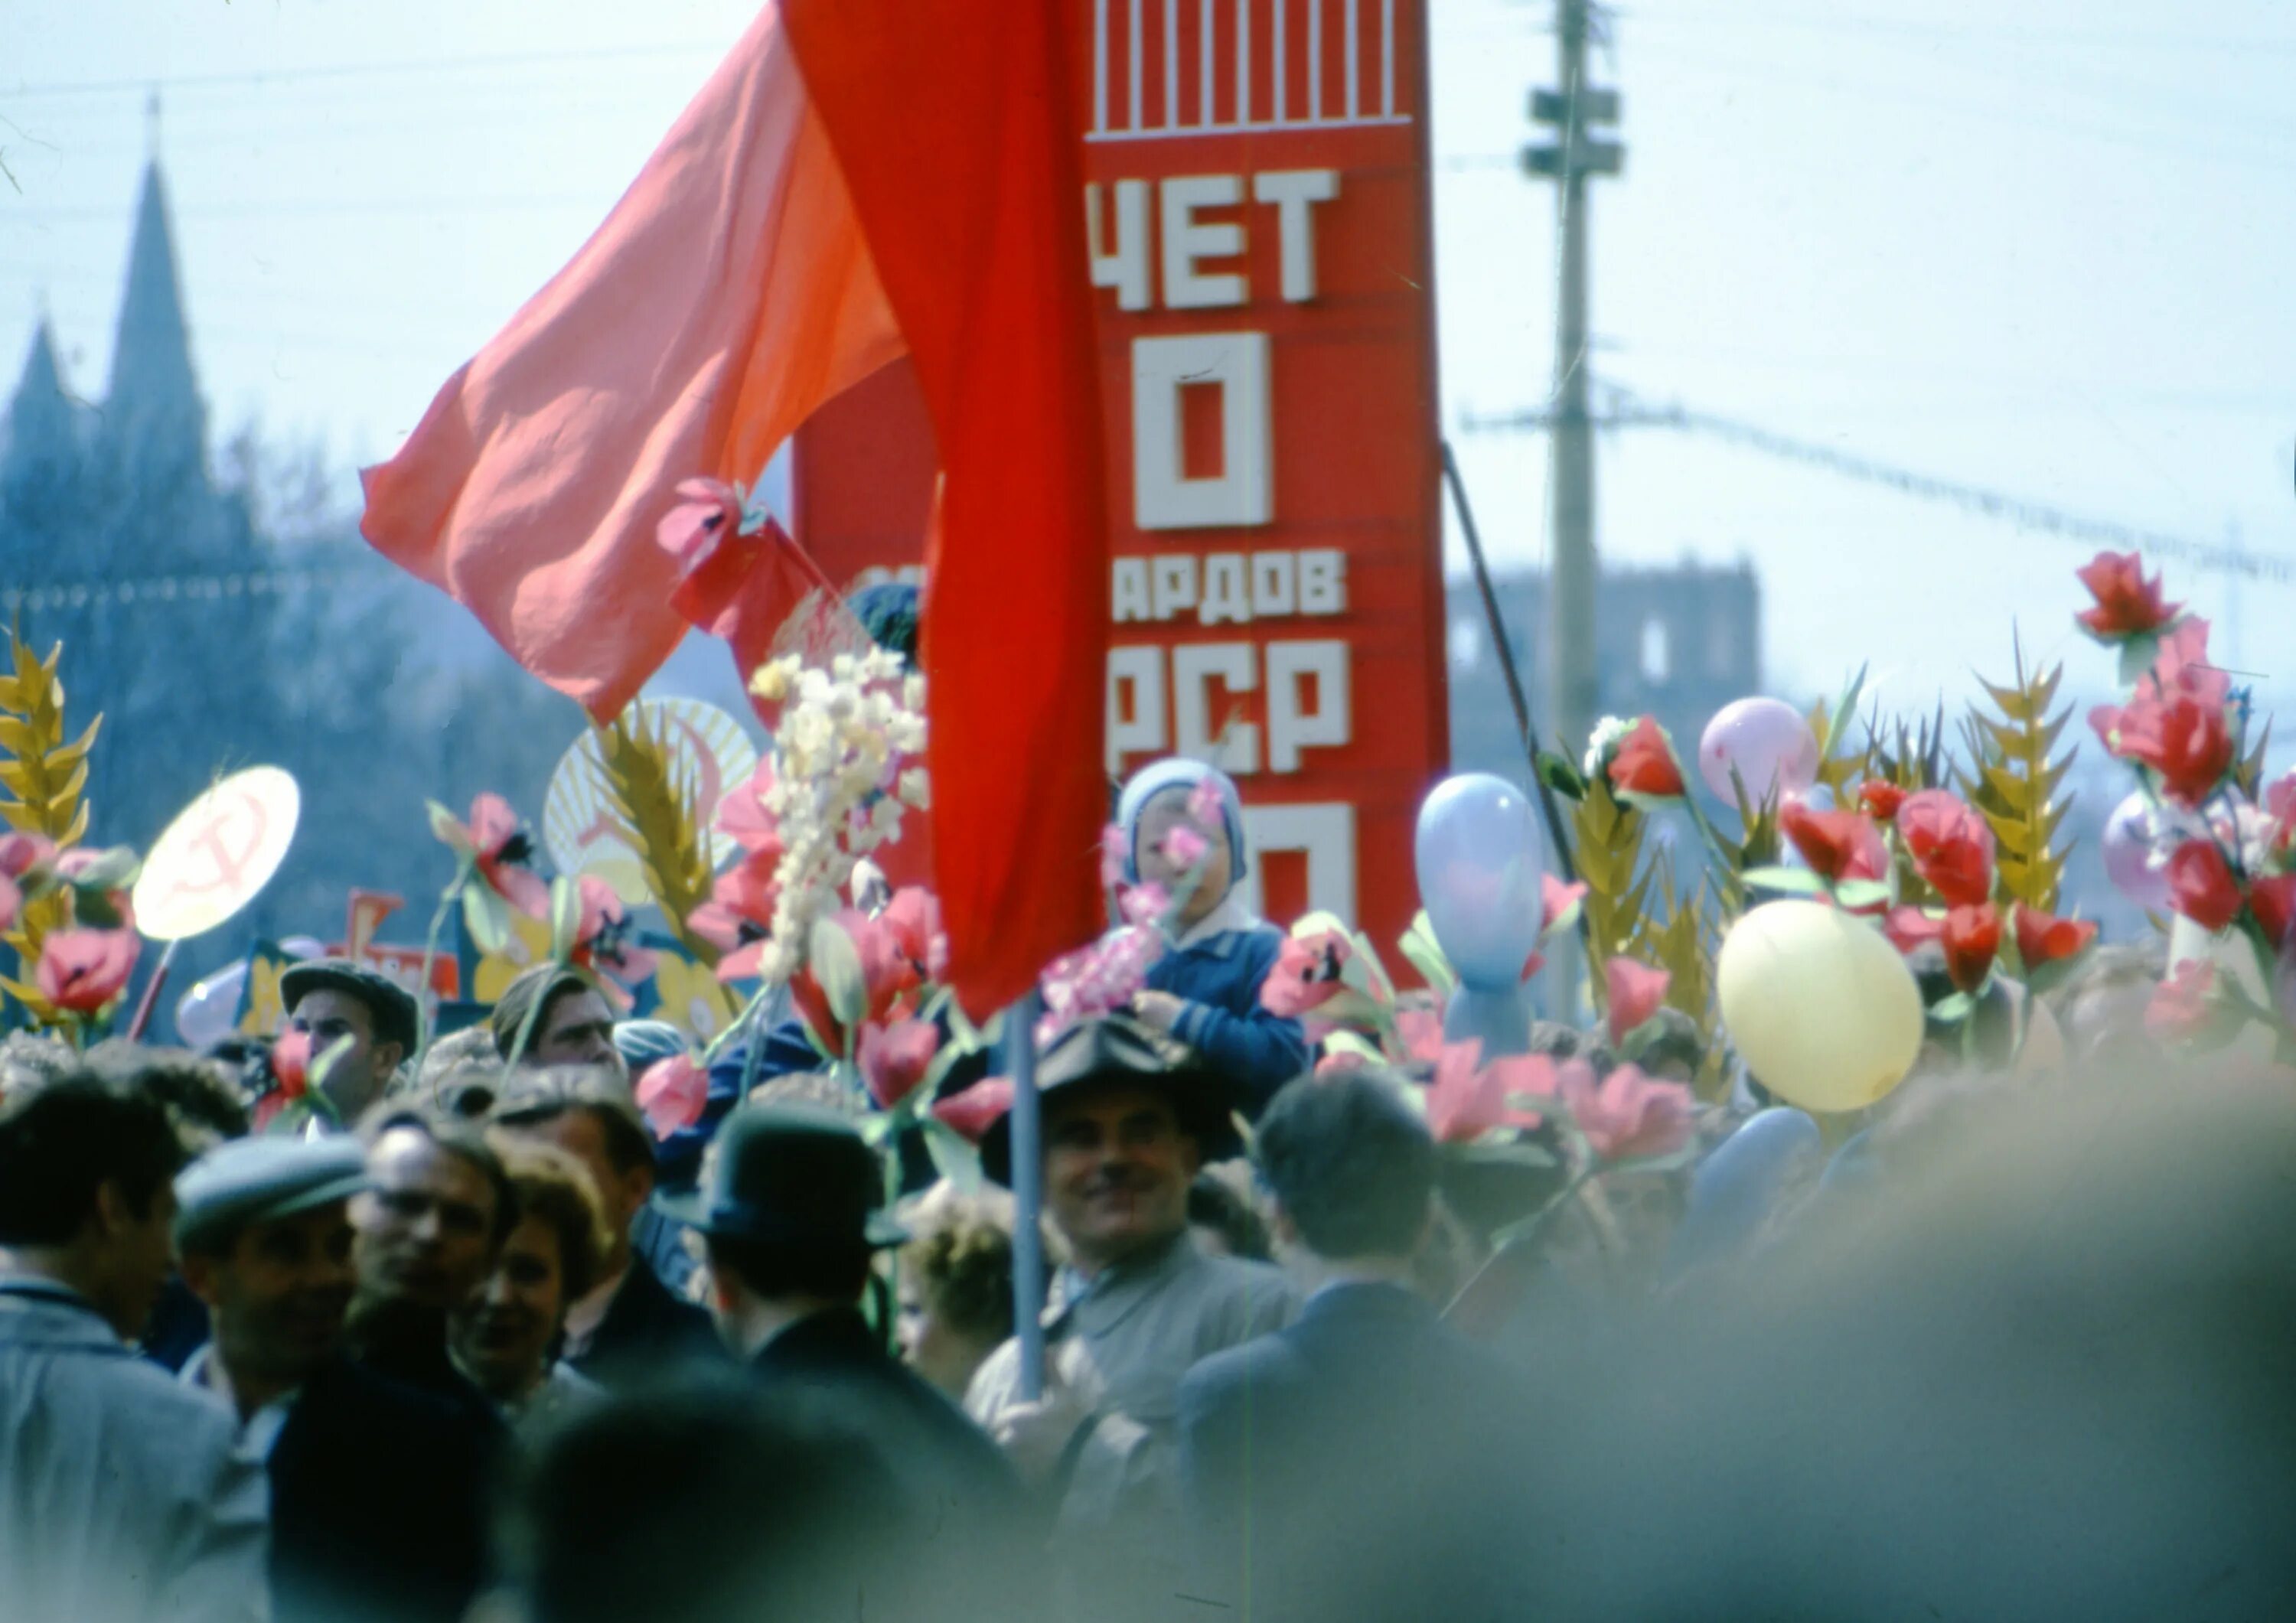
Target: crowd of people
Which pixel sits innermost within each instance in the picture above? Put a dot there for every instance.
(481, 1340)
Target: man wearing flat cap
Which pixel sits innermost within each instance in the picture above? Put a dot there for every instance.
(792, 1209)
(376, 1489)
(368, 1019)
(1129, 1116)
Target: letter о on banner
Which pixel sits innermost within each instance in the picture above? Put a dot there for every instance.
(217, 855)
(707, 749)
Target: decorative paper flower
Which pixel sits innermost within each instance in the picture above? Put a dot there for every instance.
(1420, 1033)
(1644, 764)
(2044, 938)
(1184, 848)
(1880, 798)
(22, 852)
(1837, 845)
(709, 510)
(2175, 723)
(1115, 858)
(601, 939)
(2182, 1006)
(81, 971)
(1909, 928)
(1096, 980)
(291, 1064)
(1971, 940)
(1635, 994)
(493, 841)
(2273, 900)
(1627, 1116)
(978, 1108)
(885, 977)
(1950, 844)
(12, 902)
(893, 1059)
(1468, 1098)
(1557, 901)
(2201, 885)
(743, 815)
(2127, 604)
(672, 1093)
(739, 914)
(1306, 975)
(911, 919)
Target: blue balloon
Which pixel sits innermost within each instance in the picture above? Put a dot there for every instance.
(1737, 1187)
(1499, 1020)
(1479, 858)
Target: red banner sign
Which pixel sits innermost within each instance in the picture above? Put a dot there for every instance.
(1260, 223)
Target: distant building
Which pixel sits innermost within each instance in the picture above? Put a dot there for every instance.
(1677, 643)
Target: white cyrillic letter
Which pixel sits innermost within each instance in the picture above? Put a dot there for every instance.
(1129, 593)
(1140, 669)
(1186, 241)
(1227, 596)
(1124, 268)
(1174, 587)
(1325, 833)
(1275, 585)
(1163, 495)
(1192, 733)
(1295, 193)
(1323, 582)
(1290, 727)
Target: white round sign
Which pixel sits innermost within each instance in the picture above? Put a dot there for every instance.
(217, 854)
(707, 748)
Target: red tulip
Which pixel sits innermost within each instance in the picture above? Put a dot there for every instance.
(978, 1108)
(1972, 939)
(2043, 938)
(1627, 1116)
(2127, 604)
(1881, 798)
(2273, 900)
(2181, 1005)
(1837, 845)
(1306, 975)
(894, 1058)
(2202, 885)
(1951, 846)
(1635, 994)
(1644, 764)
(672, 1093)
(82, 970)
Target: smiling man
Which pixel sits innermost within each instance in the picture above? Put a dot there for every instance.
(376, 1489)
(1128, 1114)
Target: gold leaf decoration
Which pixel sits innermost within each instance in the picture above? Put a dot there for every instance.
(2013, 781)
(1609, 849)
(2247, 772)
(44, 774)
(1682, 946)
(654, 811)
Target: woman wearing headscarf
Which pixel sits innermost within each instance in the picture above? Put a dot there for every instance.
(1205, 989)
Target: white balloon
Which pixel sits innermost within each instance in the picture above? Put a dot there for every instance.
(1769, 743)
(205, 1013)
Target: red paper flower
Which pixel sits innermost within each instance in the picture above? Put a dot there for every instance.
(978, 1108)
(739, 914)
(1972, 939)
(2044, 938)
(1627, 1116)
(2181, 1005)
(291, 1064)
(1468, 1098)
(1837, 845)
(81, 971)
(2128, 604)
(21, 853)
(2280, 800)
(601, 941)
(1306, 975)
(2273, 900)
(500, 849)
(1951, 846)
(742, 815)
(1644, 764)
(709, 510)
(1555, 899)
(1635, 993)
(1909, 928)
(894, 1059)
(913, 919)
(2185, 740)
(1880, 798)
(1420, 1033)
(672, 1093)
(2202, 885)
(886, 976)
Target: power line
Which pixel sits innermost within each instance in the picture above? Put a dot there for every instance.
(441, 64)
(1629, 410)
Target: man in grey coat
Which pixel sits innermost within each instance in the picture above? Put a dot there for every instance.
(121, 1495)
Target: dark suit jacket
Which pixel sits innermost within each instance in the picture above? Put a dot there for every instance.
(645, 1331)
(378, 1503)
(1349, 1466)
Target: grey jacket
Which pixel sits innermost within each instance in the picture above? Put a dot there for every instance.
(122, 1495)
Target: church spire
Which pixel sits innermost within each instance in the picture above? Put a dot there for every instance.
(152, 412)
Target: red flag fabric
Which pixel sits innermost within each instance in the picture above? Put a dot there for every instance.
(953, 125)
(860, 176)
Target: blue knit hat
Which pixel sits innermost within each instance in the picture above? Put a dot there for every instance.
(1178, 773)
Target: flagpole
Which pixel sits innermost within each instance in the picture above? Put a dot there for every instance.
(1028, 1167)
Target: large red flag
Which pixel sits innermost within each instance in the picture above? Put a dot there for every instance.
(860, 176)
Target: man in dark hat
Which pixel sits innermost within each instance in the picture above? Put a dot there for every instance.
(367, 1018)
(1129, 1115)
(377, 1489)
(792, 1212)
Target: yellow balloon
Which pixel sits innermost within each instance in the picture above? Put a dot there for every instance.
(1818, 1004)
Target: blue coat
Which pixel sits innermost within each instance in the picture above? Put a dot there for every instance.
(1220, 977)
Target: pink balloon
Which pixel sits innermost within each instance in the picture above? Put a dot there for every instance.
(2128, 856)
(1769, 743)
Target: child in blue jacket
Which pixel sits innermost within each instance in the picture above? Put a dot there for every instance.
(1205, 989)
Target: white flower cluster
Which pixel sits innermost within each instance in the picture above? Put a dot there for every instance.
(1609, 733)
(848, 764)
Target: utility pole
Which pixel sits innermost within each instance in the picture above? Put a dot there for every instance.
(1568, 161)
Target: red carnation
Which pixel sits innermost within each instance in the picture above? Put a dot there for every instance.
(2201, 885)
(1644, 764)
(2128, 604)
(2043, 938)
(1837, 845)
(1972, 936)
(1880, 798)
(1951, 846)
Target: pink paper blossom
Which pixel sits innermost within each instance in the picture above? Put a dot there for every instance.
(1421, 1032)
(977, 1109)
(81, 971)
(672, 1093)
(1306, 974)
(1469, 1098)
(894, 1059)
(1143, 904)
(22, 852)
(1627, 1116)
(602, 940)
(1184, 848)
(1115, 857)
(501, 849)
(911, 919)
(1636, 994)
(1207, 807)
(742, 816)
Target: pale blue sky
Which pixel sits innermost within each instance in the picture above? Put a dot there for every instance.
(2047, 252)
